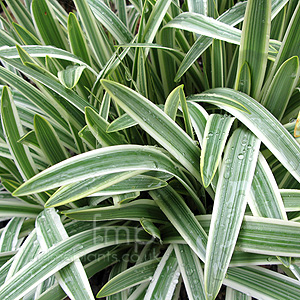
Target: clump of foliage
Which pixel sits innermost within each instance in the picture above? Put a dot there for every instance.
(154, 140)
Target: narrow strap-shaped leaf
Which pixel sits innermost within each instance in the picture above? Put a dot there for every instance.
(48, 140)
(165, 277)
(255, 42)
(212, 28)
(27, 252)
(262, 283)
(215, 136)
(232, 294)
(13, 130)
(33, 94)
(217, 63)
(265, 199)
(243, 80)
(22, 15)
(15, 208)
(63, 253)
(291, 199)
(282, 86)
(185, 112)
(111, 184)
(44, 51)
(134, 210)
(150, 228)
(173, 205)
(72, 277)
(98, 127)
(96, 36)
(104, 259)
(9, 236)
(77, 40)
(161, 127)
(157, 14)
(230, 202)
(68, 94)
(135, 275)
(199, 118)
(48, 26)
(123, 122)
(172, 103)
(261, 122)
(110, 20)
(70, 76)
(257, 235)
(290, 44)
(191, 271)
(26, 36)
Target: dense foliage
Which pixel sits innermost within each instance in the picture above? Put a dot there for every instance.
(156, 141)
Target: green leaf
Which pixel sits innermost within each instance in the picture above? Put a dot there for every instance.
(110, 20)
(199, 118)
(165, 277)
(61, 254)
(27, 252)
(133, 276)
(150, 228)
(48, 140)
(44, 51)
(16, 208)
(255, 42)
(173, 205)
(161, 127)
(191, 271)
(123, 122)
(243, 80)
(134, 210)
(95, 34)
(281, 88)
(290, 44)
(215, 136)
(237, 171)
(291, 199)
(13, 130)
(33, 94)
(70, 76)
(21, 14)
(48, 26)
(261, 122)
(72, 277)
(77, 39)
(9, 236)
(98, 126)
(172, 103)
(232, 294)
(262, 283)
(265, 199)
(111, 184)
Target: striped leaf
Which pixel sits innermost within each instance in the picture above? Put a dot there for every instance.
(49, 141)
(237, 171)
(134, 210)
(16, 208)
(123, 122)
(70, 76)
(261, 122)
(63, 253)
(133, 276)
(165, 277)
(182, 218)
(191, 272)
(215, 136)
(255, 42)
(111, 184)
(72, 277)
(161, 127)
